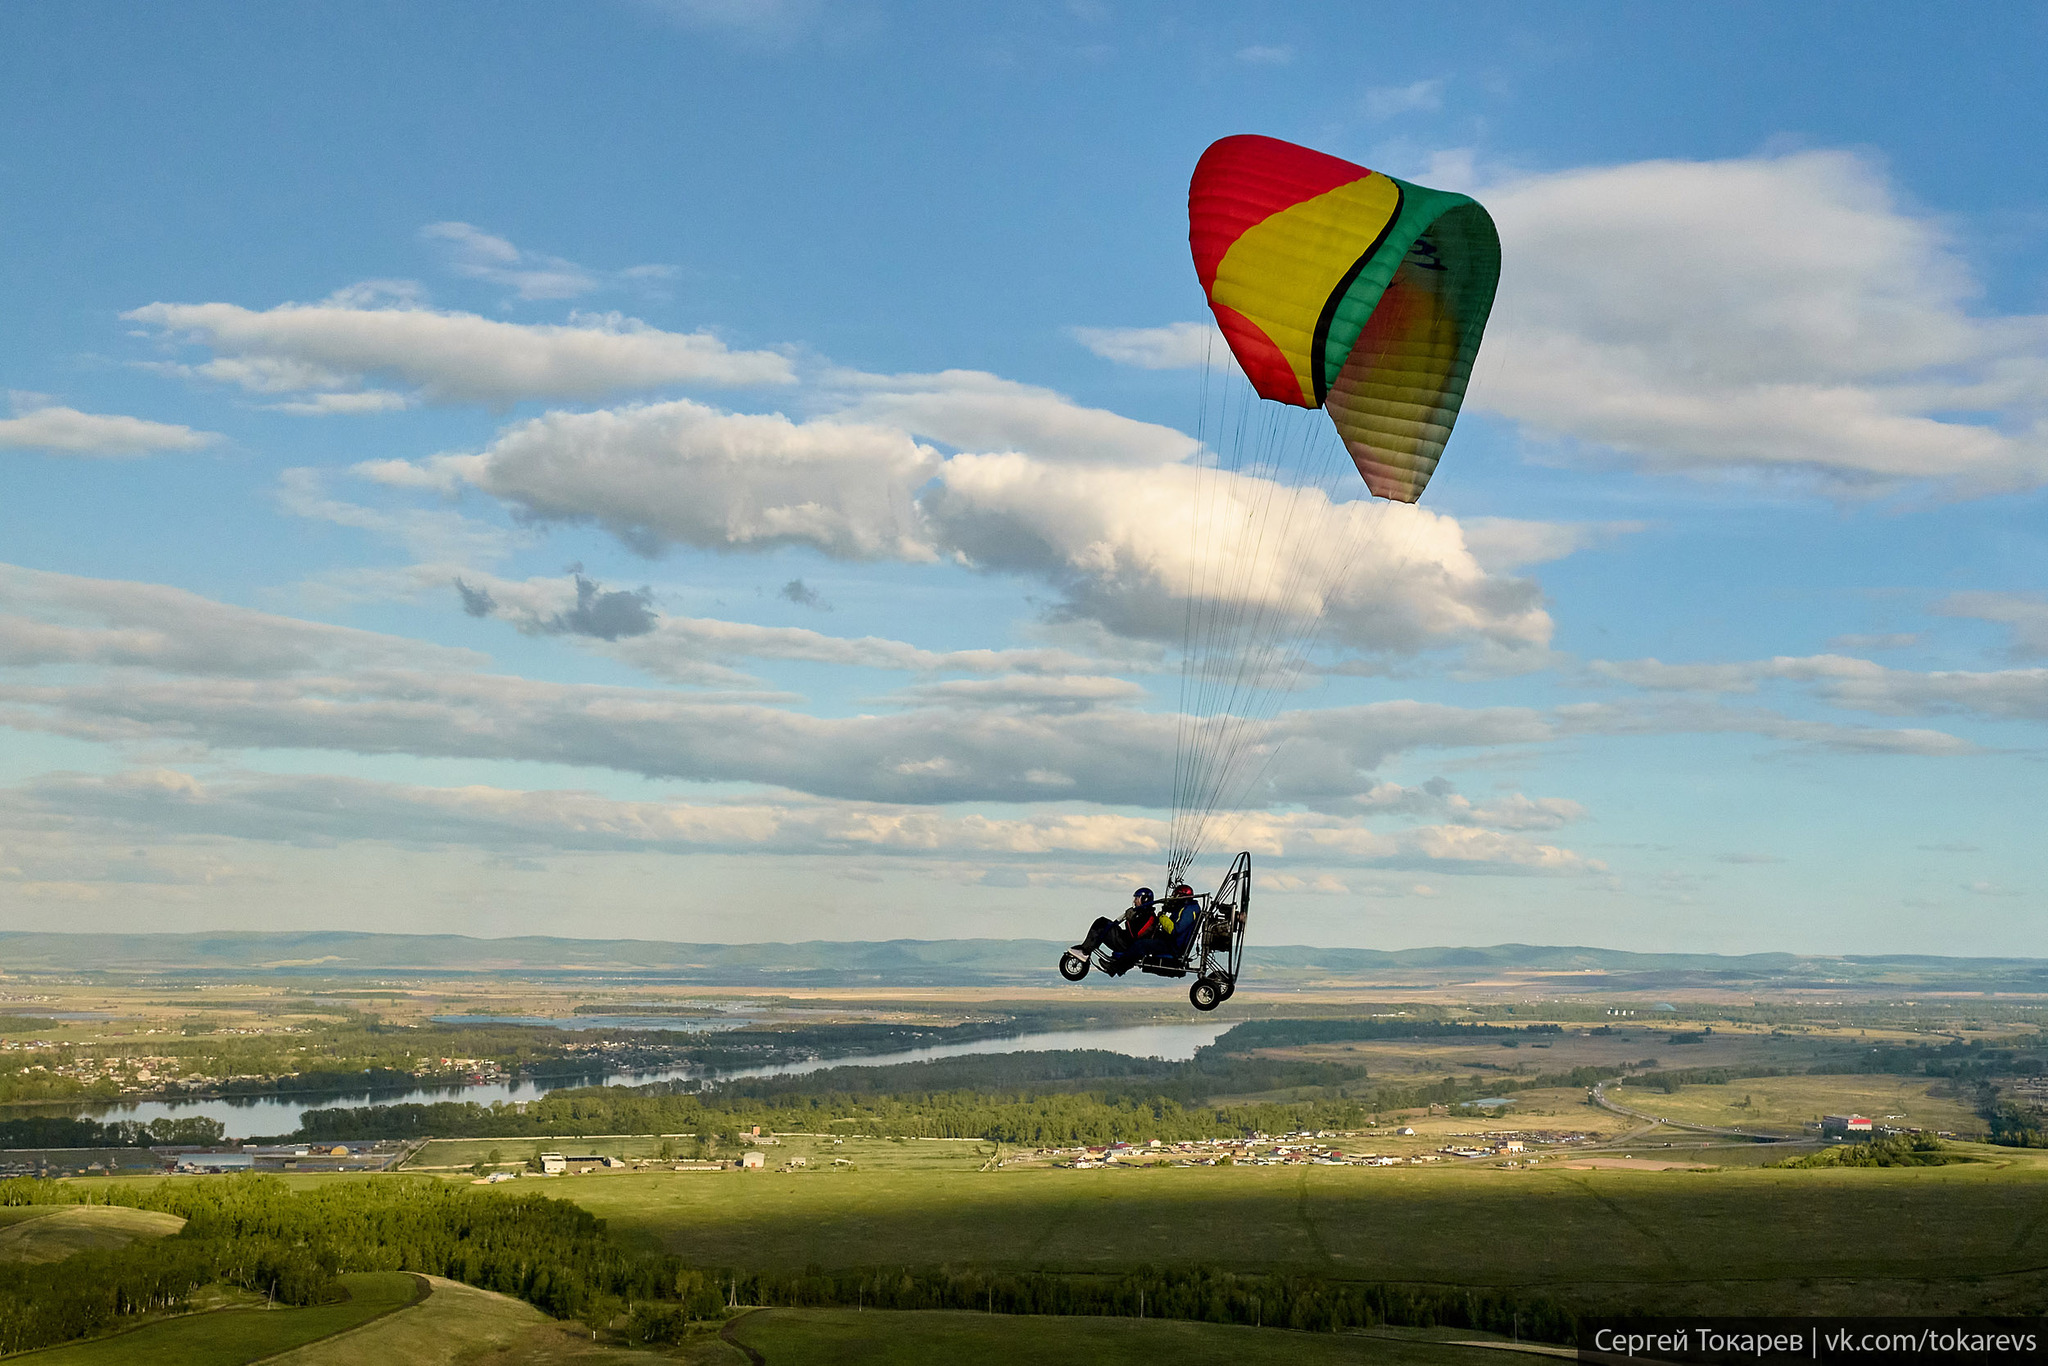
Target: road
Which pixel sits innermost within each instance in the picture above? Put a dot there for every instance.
(1600, 1099)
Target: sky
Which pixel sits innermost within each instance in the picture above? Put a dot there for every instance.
(725, 471)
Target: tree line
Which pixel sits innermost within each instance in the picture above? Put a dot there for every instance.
(257, 1233)
(48, 1131)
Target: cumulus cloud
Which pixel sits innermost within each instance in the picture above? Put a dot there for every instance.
(1176, 346)
(679, 473)
(1134, 547)
(450, 357)
(67, 431)
(1765, 313)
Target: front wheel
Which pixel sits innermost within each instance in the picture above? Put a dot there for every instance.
(1204, 994)
(1073, 966)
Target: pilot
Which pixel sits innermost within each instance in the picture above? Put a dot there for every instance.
(1123, 934)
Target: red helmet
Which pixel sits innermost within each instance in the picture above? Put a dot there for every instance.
(1183, 890)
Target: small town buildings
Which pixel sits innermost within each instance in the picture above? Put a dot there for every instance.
(753, 1161)
(1844, 1126)
(553, 1164)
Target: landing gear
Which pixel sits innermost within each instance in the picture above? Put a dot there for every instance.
(1229, 987)
(1206, 993)
(1073, 965)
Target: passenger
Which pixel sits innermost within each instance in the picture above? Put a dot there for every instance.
(1121, 936)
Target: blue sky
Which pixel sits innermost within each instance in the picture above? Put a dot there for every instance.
(832, 351)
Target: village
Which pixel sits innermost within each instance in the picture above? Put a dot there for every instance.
(1303, 1148)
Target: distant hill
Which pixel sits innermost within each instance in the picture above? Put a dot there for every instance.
(320, 954)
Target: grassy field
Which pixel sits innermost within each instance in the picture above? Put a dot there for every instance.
(54, 1233)
(233, 1337)
(456, 1153)
(459, 1323)
(1788, 1103)
(842, 1337)
(1729, 1240)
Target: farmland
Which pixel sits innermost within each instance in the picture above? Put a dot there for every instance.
(1459, 1151)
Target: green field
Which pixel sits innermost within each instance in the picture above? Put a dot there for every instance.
(843, 1337)
(1731, 1240)
(53, 1233)
(1787, 1103)
(459, 1323)
(233, 1337)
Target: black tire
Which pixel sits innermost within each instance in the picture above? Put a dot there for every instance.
(1073, 966)
(1229, 987)
(1204, 994)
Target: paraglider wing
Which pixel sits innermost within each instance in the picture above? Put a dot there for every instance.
(1346, 289)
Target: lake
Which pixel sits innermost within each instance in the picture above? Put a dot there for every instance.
(267, 1115)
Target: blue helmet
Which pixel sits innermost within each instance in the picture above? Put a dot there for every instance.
(1143, 894)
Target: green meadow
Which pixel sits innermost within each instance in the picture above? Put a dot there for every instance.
(1738, 1239)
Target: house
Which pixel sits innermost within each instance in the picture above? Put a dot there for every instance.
(753, 1161)
(553, 1164)
(1844, 1126)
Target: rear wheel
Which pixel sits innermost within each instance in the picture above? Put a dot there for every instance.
(1227, 987)
(1204, 994)
(1073, 966)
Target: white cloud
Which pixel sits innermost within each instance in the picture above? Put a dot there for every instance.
(1034, 691)
(452, 357)
(1505, 543)
(483, 256)
(1176, 346)
(352, 404)
(1855, 684)
(60, 619)
(1130, 546)
(1709, 718)
(973, 410)
(683, 474)
(480, 255)
(439, 538)
(1768, 313)
(2026, 614)
(66, 431)
(1387, 101)
(170, 806)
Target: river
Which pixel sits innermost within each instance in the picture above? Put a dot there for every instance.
(266, 1115)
